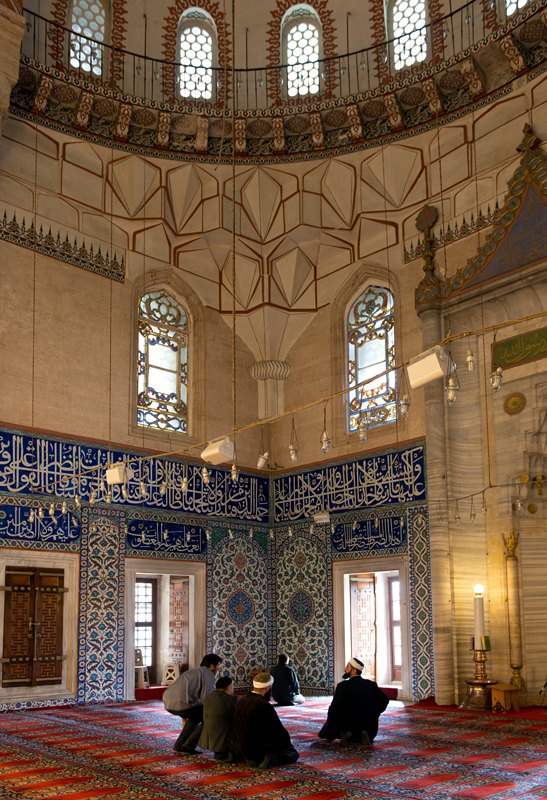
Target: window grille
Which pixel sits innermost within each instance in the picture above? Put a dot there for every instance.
(301, 31)
(162, 384)
(409, 33)
(512, 6)
(371, 351)
(88, 20)
(197, 40)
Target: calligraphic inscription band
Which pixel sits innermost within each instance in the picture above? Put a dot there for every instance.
(386, 479)
(46, 467)
(520, 349)
(376, 533)
(165, 537)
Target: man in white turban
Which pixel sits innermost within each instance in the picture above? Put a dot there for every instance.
(263, 740)
(355, 709)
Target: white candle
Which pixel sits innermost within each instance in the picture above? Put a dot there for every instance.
(479, 615)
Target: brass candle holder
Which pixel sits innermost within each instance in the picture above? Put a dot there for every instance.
(479, 691)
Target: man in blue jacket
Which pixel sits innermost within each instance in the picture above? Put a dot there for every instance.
(185, 699)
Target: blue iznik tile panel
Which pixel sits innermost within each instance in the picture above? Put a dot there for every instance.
(49, 465)
(101, 633)
(393, 477)
(420, 604)
(303, 591)
(239, 612)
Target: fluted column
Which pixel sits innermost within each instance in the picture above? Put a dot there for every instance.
(439, 544)
(270, 376)
(513, 605)
(12, 27)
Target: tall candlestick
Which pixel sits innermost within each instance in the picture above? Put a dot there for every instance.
(479, 615)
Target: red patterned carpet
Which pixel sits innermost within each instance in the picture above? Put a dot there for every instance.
(124, 751)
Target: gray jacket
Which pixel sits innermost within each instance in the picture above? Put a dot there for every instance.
(189, 690)
(219, 728)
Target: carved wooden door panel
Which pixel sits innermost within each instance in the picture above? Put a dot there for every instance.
(363, 622)
(33, 627)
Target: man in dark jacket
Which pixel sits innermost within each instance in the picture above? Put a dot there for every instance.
(285, 689)
(185, 699)
(355, 708)
(262, 738)
(219, 728)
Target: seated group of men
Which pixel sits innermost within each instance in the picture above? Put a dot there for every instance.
(213, 719)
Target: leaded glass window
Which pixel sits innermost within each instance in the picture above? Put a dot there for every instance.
(512, 6)
(196, 44)
(409, 33)
(88, 20)
(371, 351)
(162, 363)
(301, 31)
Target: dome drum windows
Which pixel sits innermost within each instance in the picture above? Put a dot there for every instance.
(197, 53)
(409, 32)
(301, 52)
(88, 31)
(371, 353)
(162, 373)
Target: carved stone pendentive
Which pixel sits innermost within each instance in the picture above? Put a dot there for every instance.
(270, 376)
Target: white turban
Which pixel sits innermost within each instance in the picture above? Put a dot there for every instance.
(356, 663)
(262, 680)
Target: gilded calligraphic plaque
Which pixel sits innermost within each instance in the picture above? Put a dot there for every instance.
(520, 349)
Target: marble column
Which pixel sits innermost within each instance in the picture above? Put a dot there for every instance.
(513, 606)
(439, 543)
(163, 654)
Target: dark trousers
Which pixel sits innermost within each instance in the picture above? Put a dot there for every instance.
(191, 729)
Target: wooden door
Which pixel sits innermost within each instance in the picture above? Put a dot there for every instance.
(363, 622)
(33, 627)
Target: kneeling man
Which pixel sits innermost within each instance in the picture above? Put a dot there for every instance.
(355, 708)
(263, 740)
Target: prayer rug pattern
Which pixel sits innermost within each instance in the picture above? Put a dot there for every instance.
(124, 751)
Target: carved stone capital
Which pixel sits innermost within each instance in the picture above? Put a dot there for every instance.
(270, 370)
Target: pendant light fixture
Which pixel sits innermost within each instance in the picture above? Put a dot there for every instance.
(184, 484)
(294, 446)
(403, 393)
(325, 440)
(362, 430)
(452, 383)
(235, 473)
(206, 475)
(496, 377)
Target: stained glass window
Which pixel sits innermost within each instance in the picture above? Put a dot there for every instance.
(88, 20)
(371, 350)
(196, 43)
(162, 400)
(409, 33)
(301, 31)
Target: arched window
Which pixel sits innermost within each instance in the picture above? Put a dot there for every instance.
(197, 51)
(371, 351)
(162, 385)
(512, 6)
(88, 30)
(301, 37)
(409, 32)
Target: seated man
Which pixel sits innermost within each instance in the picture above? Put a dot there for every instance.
(185, 697)
(355, 709)
(219, 728)
(262, 738)
(286, 690)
